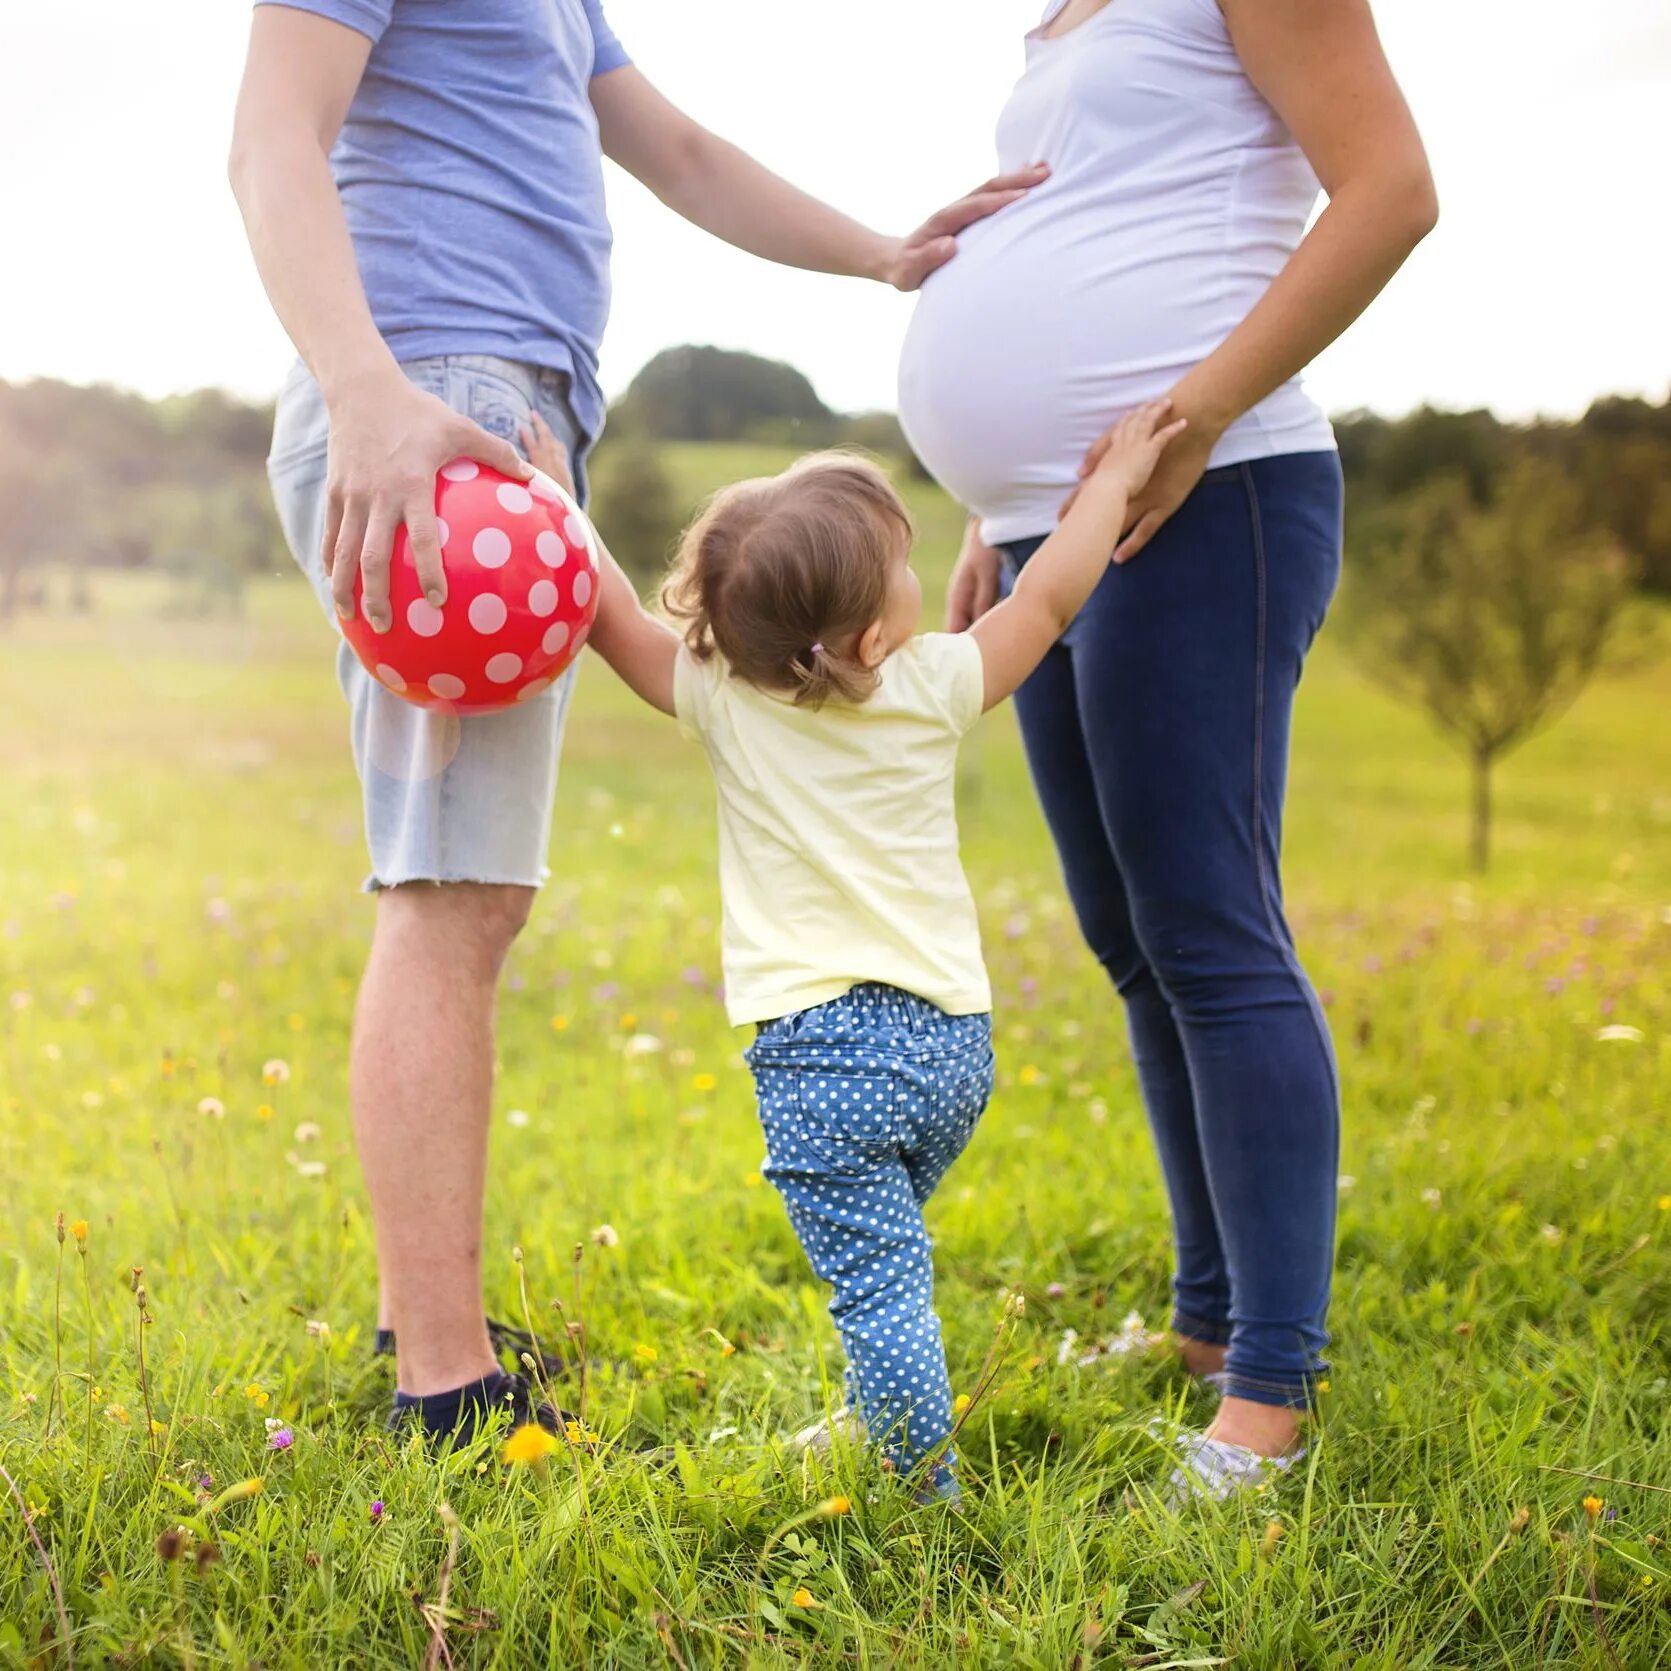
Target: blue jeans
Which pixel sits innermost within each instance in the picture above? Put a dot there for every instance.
(866, 1101)
(1157, 733)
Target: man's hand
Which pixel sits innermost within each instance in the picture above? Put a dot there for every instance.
(387, 440)
(974, 583)
(908, 261)
(1171, 482)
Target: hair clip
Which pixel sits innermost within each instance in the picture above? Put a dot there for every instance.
(818, 649)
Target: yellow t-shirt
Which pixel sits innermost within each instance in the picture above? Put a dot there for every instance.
(838, 833)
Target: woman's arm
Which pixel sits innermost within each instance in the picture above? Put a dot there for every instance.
(1320, 64)
(725, 191)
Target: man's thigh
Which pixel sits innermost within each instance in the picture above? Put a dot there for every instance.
(446, 799)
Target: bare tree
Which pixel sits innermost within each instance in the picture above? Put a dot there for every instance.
(1492, 617)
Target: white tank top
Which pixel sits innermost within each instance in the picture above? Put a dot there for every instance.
(1176, 195)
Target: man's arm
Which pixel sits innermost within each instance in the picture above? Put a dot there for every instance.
(1064, 571)
(725, 191)
(387, 438)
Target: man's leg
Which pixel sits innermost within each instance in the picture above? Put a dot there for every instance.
(458, 814)
(421, 1082)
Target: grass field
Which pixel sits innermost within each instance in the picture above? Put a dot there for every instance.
(179, 850)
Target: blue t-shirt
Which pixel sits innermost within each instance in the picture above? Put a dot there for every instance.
(472, 179)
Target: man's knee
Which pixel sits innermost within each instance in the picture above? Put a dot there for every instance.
(470, 922)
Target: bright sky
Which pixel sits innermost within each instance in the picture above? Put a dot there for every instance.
(1545, 284)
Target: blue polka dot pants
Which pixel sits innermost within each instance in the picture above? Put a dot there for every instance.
(866, 1101)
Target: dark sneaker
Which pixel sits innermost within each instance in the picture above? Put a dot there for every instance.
(462, 1414)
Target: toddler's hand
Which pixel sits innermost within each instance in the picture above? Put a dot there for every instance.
(545, 452)
(1135, 444)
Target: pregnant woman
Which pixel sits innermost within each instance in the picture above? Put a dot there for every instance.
(1168, 254)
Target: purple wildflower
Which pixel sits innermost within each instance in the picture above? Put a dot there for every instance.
(377, 1511)
(281, 1440)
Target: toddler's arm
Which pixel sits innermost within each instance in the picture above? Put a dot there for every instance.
(641, 649)
(1064, 571)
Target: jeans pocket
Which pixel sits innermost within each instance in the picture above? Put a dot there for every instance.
(498, 404)
(846, 1121)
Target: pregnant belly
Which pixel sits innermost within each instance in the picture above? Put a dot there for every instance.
(1015, 361)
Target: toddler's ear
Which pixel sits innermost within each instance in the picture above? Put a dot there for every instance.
(873, 648)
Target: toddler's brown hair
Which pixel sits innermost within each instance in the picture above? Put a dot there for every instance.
(779, 573)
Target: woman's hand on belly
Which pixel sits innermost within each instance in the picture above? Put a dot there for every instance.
(1181, 467)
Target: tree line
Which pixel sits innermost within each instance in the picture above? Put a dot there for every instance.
(1490, 565)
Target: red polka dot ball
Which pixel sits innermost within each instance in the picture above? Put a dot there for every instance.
(522, 593)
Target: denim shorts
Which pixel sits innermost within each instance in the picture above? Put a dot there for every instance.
(446, 799)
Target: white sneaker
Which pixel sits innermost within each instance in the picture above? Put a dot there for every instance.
(821, 1436)
(1213, 1470)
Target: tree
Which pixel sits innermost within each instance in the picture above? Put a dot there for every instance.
(719, 394)
(42, 515)
(635, 507)
(1493, 618)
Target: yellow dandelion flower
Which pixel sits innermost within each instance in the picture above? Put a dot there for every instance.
(1664, 1203)
(528, 1445)
(1274, 1534)
(1029, 1075)
(752, 1180)
(628, 1022)
(645, 1353)
(559, 1023)
(264, 1112)
(167, 1068)
(117, 1413)
(578, 1433)
(1323, 1385)
(79, 1230)
(1593, 1507)
(727, 1350)
(960, 1404)
(275, 1072)
(835, 1506)
(159, 1428)
(295, 1021)
(804, 1597)
(703, 1081)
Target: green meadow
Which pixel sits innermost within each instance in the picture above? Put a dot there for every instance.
(180, 935)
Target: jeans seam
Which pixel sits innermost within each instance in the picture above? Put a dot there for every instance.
(1290, 957)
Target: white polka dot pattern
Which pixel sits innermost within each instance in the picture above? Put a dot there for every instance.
(448, 686)
(390, 677)
(491, 547)
(501, 669)
(866, 1101)
(424, 618)
(550, 550)
(515, 498)
(487, 612)
(461, 470)
(542, 598)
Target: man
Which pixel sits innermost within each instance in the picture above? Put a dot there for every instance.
(422, 186)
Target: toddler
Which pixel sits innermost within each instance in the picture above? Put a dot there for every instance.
(850, 940)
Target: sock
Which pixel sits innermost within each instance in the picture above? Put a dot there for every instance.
(446, 1412)
(384, 1347)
